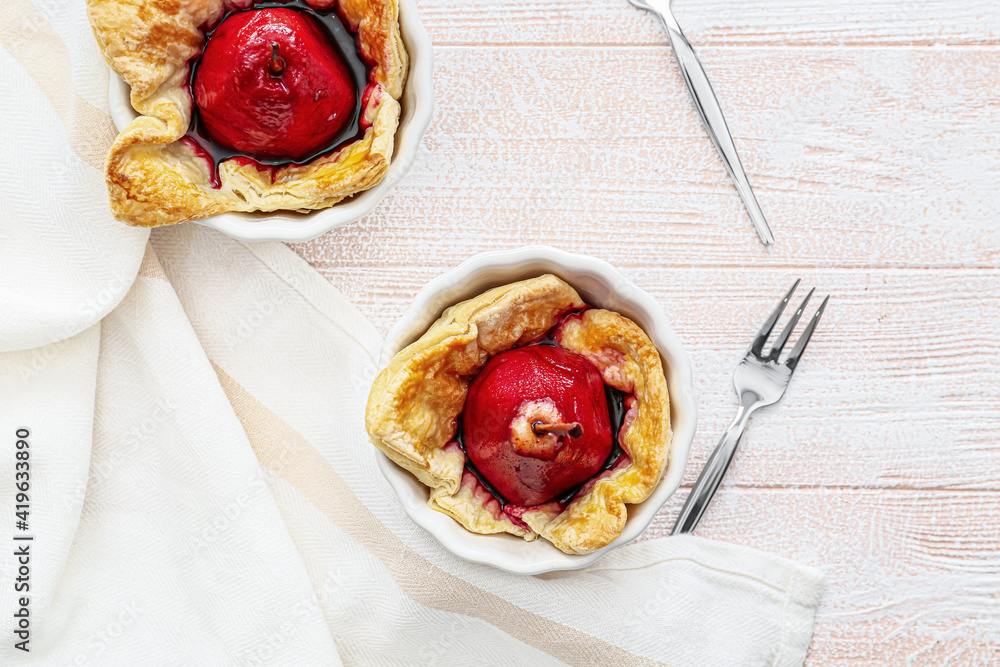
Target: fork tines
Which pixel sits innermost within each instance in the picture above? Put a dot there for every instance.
(757, 347)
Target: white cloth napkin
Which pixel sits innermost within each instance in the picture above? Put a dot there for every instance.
(64, 263)
(201, 486)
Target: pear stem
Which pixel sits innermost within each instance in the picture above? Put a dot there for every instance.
(572, 429)
(277, 63)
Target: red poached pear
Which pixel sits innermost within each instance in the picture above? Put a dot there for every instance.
(271, 84)
(536, 423)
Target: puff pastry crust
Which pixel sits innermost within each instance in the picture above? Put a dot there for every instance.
(416, 400)
(154, 179)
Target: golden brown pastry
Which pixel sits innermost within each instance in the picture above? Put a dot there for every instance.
(155, 179)
(416, 406)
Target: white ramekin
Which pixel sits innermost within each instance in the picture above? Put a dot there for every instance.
(417, 109)
(600, 284)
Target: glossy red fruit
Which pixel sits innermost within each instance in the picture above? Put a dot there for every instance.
(540, 386)
(271, 84)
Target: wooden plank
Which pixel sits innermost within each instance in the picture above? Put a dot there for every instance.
(711, 23)
(911, 576)
(900, 388)
(889, 158)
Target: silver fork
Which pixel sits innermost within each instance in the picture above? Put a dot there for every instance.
(711, 113)
(760, 380)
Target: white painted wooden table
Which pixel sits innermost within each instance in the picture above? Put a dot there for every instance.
(871, 131)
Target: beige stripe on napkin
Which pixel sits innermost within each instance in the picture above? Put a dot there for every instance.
(287, 453)
(30, 38)
(150, 267)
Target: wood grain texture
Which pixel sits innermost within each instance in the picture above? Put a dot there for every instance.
(871, 131)
(850, 174)
(708, 23)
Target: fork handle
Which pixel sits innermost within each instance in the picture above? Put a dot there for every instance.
(715, 469)
(711, 114)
